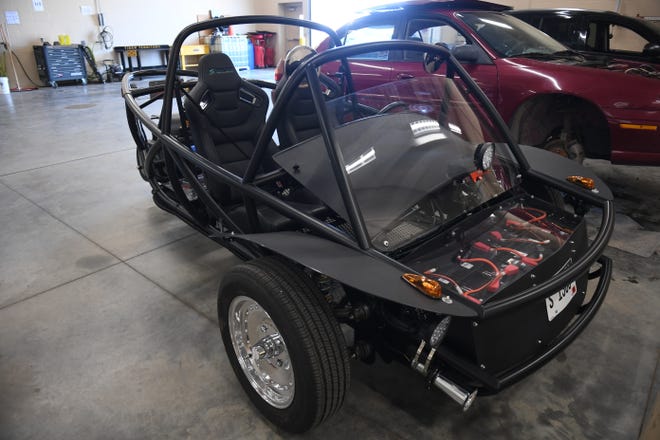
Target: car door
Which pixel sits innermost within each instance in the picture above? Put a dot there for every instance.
(440, 31)
(617, 37)
(369, 69)
(623, 41)
(572, 31)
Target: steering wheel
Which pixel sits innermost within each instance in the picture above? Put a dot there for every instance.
(433, 62)
(334, 90)
(392, 105)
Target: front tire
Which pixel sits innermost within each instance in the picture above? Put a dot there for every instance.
(283, 343)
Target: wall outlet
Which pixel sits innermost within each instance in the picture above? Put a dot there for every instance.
(86, 10)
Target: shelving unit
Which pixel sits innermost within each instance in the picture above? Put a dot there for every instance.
(190, 55)
(236, 48)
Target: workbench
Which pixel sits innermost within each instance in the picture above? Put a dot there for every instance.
(127, 53)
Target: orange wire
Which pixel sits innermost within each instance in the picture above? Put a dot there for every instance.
(439, 275)
(451, 280)
(527, 240)
(498, 274)
(541, 216)
(517, 253)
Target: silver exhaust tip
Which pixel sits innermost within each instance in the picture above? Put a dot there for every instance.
(457, 394)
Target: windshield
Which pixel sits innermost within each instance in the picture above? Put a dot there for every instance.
(510, 36)
(408, 148)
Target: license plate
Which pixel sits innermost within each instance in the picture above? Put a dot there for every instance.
(557, 302)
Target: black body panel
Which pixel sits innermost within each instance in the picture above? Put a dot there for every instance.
(359, 270)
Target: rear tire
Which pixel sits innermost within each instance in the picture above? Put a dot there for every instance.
(283, 343)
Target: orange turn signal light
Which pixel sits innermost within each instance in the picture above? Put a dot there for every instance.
(639, 127)
(584, 182)
(425, 285)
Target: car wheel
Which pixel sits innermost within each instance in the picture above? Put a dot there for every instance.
(140, 138)
(283, 343)
(570, 148)
(568, 126)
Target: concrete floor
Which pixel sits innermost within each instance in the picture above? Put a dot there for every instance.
(108, 328)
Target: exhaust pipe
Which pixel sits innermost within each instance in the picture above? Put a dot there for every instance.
(457, 394)
(422, 362)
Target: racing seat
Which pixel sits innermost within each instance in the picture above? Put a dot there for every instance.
(227, 114)
(300, 121)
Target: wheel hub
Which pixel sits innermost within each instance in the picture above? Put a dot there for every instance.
(569, 148)
(261, 352)
(269, 347)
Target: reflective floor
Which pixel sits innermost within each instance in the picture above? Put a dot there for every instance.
(108, 326)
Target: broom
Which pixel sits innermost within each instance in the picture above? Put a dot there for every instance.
(4, 36)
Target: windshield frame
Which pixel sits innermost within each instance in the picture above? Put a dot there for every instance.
(308, 71)
(518, 33)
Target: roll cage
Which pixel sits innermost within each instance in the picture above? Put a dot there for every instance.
(247, 243)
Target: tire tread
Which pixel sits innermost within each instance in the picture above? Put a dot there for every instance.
(319, 332)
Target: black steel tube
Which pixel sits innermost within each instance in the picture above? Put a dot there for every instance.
(571, 332)
(497, 382)
(489, 309)
(343, 52)
(231, 179)
(173, 61)
(337, 160)
(204, 195)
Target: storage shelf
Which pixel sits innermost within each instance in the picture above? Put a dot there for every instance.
(190, 55)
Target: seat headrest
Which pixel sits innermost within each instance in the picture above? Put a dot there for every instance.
(218, 72)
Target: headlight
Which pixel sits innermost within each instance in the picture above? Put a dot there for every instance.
(483, 155)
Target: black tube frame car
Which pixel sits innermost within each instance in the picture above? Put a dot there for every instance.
(361, 259)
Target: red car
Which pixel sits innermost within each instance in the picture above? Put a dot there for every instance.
(550, 96)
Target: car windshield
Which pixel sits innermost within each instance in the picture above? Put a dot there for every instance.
(411, 150)
(510, 36)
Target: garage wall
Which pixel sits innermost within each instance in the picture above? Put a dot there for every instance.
(131, 22)
(158, 21)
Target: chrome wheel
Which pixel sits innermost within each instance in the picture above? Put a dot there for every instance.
(261, 351)
(283, 342)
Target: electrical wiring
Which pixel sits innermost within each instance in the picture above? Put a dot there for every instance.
(498, 273)
(499, 237)
(8, 48)
(481, 246)
(432, 273)
(492, 284)
(106, 37)
(535, 221)
(525, 228)
(540, 214)
(25, 71)
(524, 258)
